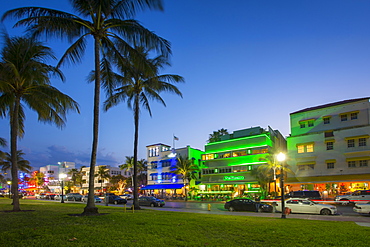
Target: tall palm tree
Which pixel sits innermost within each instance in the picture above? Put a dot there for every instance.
(23, 165)
(187, 170)
(102, 174)
(111, 25)
(140, 83)
(25, 81)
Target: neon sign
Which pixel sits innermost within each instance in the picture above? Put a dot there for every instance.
(232, 178)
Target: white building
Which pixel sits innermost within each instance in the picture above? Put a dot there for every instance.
(329, 147)
(98, 183)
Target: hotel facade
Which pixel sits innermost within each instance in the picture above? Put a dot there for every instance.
(329, 148)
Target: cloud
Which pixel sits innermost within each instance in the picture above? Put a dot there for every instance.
(54, 154)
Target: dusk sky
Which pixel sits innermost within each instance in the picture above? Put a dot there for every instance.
(246, 63)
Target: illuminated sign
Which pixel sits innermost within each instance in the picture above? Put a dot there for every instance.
(231, 178)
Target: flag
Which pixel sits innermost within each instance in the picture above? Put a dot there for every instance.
(175, 138)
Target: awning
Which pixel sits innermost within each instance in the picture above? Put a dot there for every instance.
(162, 186)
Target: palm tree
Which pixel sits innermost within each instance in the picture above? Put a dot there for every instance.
(2, 142)
(263, 179)
(140, 83)
(23, 165)
(25, 78)
(102, 174)
(216, 135)
(187, 170)
(110, 23)
(129, 165)
(77, 175)
(38, 179)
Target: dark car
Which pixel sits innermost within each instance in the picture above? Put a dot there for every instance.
(247, 205)
(115, 199)
(309, 194)
(151, 201)
(74, 197)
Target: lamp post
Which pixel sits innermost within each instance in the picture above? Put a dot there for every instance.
(9, 183)
(281, 158)
(62, 176)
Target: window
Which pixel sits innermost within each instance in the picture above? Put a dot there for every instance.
(305, 148)
(362, 142)
(351, 143)
(208, 156)
(224, 155)
(310, 123)
(351, 163)
(306, 167)
(330, 165)
(239, 153)
(354, 115)
(328, 133)
(329, 145)
(343, 117)
(363, 163)
(326, 120)
(303, 125)
(260, 151)
(309, 148)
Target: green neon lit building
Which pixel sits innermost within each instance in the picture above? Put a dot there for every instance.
(228, 163)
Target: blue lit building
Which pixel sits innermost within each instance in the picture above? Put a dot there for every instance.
(161, 179)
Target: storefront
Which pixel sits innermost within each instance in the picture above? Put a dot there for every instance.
(164, 190)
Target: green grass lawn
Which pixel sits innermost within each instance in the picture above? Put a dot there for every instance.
(49, 224)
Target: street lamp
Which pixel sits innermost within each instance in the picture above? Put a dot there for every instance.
(62, 176)
(281, 158)
(9, 183)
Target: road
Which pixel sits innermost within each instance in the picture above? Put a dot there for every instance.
(345, 212)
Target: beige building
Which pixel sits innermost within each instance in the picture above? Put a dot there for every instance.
(329, 147)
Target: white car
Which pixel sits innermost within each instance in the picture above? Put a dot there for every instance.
(362, 208)
(306, 206)
(127, 196)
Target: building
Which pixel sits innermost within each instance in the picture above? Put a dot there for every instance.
(162, 180)
(100, 185)
(329, 148)
(229, 162)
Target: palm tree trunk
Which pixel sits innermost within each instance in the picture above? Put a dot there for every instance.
(13, 152)
(90, 207)
(136, 141)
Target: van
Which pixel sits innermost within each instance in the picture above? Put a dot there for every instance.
(309, 194)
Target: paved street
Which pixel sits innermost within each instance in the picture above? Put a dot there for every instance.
(345, 213)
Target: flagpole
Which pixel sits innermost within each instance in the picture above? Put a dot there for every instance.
(173, 141)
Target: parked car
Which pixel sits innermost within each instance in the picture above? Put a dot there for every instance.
(308, 194)
(151, 201)
(358, 196)
(362, 208)
(247, 205)
(41, 196)
(97, 199)
(59, 197)
(74, 197)
(306, 206)
(127, 196)
(115, 199)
